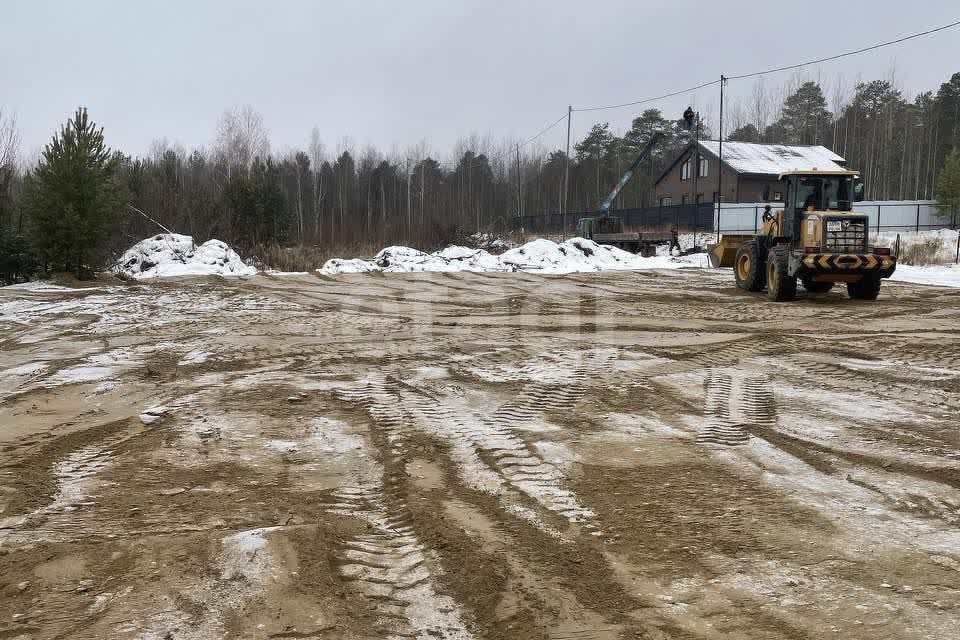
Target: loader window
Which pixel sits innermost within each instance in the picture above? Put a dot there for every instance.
(843, 194)
(824, 192)
(809, 193)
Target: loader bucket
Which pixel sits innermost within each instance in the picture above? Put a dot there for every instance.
(724, 253)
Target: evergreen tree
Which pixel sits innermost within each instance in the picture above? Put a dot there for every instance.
(644, 126)
(597, 143)
(745, 133)
(74, 198)
(259, 208)
(948, 116)
(805, 118)
(948, 187)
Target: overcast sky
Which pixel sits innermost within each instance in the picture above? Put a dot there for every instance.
(393, 74)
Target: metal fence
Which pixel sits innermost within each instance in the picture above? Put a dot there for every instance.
(684, 216)
(888, 215)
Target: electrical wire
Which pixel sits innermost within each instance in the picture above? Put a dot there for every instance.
(848, 53)
(663, 97)
(777, 69)
(725, 78)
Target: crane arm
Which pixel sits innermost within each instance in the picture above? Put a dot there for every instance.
(605, 206)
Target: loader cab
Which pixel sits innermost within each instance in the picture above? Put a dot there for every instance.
(818, 191)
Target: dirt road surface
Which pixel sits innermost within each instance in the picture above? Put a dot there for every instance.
(456, 456)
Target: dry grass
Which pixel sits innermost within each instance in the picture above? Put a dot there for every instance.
(306, 257)
(927, 251)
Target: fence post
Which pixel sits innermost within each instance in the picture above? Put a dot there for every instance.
(878, 218)
(957, 261)
(918, 217)
(756, 212)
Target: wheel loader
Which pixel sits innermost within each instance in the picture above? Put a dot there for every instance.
(816, 239)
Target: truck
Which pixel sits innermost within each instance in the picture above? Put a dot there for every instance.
(607, 229)
(816, 240)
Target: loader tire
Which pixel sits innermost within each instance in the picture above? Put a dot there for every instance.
(781, 287)
(748, 267)
(817, 287)
(867, 289)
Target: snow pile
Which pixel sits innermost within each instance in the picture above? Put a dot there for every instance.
(173, 254)
(543, 256)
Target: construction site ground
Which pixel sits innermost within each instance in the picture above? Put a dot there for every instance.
(478, 455)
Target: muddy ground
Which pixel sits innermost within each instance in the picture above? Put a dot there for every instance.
(594, 456)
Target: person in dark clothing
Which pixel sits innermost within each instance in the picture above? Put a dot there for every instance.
(674, 238)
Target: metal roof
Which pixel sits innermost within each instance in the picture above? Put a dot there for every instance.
(774, 159)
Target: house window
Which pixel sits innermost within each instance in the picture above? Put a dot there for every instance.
(704, 165)
(665, 201)
(699, 198)
(685, 170)
(716, 196)
(778, 197)
(683, 199)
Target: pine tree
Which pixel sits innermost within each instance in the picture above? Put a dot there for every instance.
(74, 198)
(948, 187)
(805, 118)
(744, 133)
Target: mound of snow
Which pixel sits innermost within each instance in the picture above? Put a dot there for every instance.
(544, 256)
(173, 254)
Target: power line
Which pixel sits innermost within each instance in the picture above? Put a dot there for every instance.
(715, 82)
(636, 102)
(848, 53)
(778, 69)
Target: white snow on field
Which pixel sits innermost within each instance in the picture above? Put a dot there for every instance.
(542, 256)
(942, 276)
(173, 254)
(935, 249)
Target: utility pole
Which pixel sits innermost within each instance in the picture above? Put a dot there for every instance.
(720, 163)
(409, 217)
(566, 172)
(519, 195)
(696, 162)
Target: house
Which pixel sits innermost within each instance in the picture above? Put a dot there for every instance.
(750, 171)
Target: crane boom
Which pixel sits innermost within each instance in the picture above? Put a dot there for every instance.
(605, 206)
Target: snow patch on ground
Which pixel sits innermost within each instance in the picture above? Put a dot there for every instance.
(543, 256)
(941, 276)
(936, 246)
(173, 254)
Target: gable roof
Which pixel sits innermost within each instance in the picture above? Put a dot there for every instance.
(766, 159)
(774, 159)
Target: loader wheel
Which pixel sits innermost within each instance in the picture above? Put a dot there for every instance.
(817, 287)
(867, 289)
(748, 267)
(780, 286)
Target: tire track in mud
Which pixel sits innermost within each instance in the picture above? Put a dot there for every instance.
(389, 566)
(734, 402)
(387, 563)
(488, 459)
(73, 472)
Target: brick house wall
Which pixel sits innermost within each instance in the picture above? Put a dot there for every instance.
(675, 187)
(736, 187)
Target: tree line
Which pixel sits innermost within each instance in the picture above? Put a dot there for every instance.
(262, 202)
